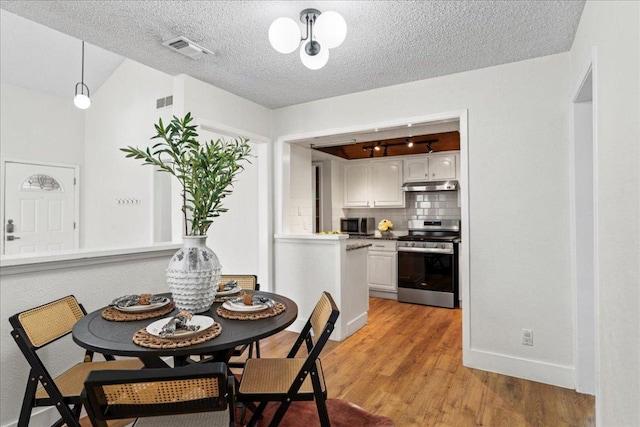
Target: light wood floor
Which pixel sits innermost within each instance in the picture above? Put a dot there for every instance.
(406, 364)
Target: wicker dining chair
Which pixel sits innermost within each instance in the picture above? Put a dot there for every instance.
(245, 282)
(194, 395)
(287, 379)
(34, 329)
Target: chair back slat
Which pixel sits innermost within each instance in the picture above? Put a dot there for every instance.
(245, 281)
(160, 392)
(49, 322)
(321, 314)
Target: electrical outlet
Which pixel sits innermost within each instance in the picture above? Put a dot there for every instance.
(527, 337)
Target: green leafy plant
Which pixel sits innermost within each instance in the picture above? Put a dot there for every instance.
(206, 171)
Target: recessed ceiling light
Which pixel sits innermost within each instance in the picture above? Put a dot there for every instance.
(409, 125)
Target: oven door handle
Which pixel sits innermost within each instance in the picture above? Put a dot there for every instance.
(426, 250)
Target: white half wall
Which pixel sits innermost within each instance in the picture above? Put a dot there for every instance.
(609, 36)
(94, 285)
(518, 131)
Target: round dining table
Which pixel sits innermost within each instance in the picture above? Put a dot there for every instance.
(99, 335)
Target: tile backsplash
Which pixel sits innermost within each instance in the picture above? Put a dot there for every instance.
(419, 205)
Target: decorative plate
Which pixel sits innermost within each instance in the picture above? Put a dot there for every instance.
(229, 292)
(204, 322)
(142, 308)
(241, 307)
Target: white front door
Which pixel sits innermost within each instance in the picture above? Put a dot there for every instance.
(40, 206)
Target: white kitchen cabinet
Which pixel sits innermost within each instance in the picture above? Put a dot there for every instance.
(383, 267)
(373, 184)
(430, 167)
(356, 185)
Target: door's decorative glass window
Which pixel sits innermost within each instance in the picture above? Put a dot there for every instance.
(40, 183)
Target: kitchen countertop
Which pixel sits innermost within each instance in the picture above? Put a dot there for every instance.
(353, 246)
(374, 237)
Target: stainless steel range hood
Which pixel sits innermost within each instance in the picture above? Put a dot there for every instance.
(451, 185)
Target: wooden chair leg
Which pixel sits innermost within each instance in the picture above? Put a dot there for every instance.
(320, 399)
(282, 409)
(257, 414)
(27, 402)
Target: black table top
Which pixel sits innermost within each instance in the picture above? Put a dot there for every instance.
(94, 333)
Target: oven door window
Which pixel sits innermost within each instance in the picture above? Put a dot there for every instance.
(435, 272)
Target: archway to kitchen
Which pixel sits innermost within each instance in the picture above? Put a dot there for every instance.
(290, 163)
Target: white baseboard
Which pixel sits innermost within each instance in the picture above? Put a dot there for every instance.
(543, 372)
(356, 324)
(383, 294)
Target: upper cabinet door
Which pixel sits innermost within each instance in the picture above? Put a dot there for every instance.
(387, 183)
(416, 169)
(442, 166)
(356, 185)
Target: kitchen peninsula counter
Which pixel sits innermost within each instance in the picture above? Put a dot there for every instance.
(324, 262)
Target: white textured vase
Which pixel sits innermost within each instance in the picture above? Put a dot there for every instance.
(193, 275)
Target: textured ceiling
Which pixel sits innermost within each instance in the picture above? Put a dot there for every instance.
(388, 42)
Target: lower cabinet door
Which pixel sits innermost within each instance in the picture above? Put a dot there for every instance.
(383, 269)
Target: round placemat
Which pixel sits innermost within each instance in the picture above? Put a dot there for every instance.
(269, 312)
(145, 339)
(115, 315)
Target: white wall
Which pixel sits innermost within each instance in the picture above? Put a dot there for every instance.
(94, 286)
(337, 168)
(242, 236)
(123, 113)
(301, 204)
(40, 127)
(612, 29)
(519, 213)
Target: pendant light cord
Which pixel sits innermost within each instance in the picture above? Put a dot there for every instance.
(82, 74)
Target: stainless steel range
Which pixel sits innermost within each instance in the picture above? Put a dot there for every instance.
(428, 263)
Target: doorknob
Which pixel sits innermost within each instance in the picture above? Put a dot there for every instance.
(10, 238)
(9, 227)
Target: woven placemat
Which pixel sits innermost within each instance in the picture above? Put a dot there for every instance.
(115, 315)
(145, 339)
(269, 312)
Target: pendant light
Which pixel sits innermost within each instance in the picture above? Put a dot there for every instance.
(82, 100)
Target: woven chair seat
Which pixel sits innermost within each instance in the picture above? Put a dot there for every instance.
(71, 382)
(275, 376)
(220, 418)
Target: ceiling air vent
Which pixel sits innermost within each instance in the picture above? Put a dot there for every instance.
(186, 47)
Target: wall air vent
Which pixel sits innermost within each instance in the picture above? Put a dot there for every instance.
(187, 47)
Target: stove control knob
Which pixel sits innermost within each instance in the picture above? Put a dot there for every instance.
(411, 244)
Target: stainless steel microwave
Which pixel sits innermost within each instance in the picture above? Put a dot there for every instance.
(362, 226)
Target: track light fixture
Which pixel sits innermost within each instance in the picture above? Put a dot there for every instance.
(429, 149)
(324, 31)
(81, 100)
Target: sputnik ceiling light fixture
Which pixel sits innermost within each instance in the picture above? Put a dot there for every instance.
(81, 100)
(324, 31)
